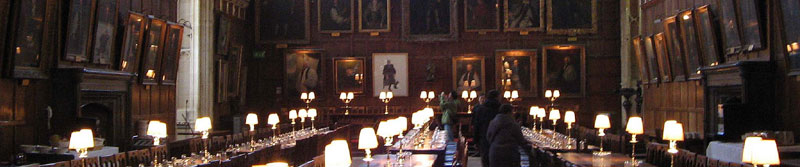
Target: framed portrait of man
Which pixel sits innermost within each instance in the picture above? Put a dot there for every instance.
(374, 15)
(154, 43)
(652, 59)
(517, 69)
(335, 16)
(565, 69)
(641, 61)
(349, 74)
(390, 73)
(675, 48)
(664, 67)
(132, 42)
(304, 71)
(691, 47)
(469, 73)
(172, 51)
(481, 16)
(706, 33)
(31, 26)
(524, 15)
(105, 31)
(283, 21)
(730, 27)
(430, 20)
(78, 31)
(571, 16)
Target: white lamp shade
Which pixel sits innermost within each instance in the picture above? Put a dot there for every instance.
(273, 119)
(202, 124)
(602, 122)
(293, 114)
(464, 94)
(311, 96)
(423, 95)
(428, 112)
(515, 94)
(750, 144)
(548, 93)
(555, 115)
(766, 153)
(541, 113)
(304, 95)
(302, 113)
(507, 94)
(81, 139)
(635, 126)
(312, 112)
(251, 119)
(389, 95)
(337, 154)
(350, 95)
(367, 139)
(416, 118)
(556, 93)
(402, 123)
(382, 95)
(384, 129)
(569, 117)
(673, 132)
(473, 94)
(157, 129)
(431, 95)
(343, 96)
(533, 111)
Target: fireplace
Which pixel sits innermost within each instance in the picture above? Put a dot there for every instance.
(96, 99)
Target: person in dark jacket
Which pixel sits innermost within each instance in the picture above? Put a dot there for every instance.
(484, 114)
(505, 136)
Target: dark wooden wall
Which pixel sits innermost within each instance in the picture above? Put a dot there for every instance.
(685, 101)
(602, 58)
(22, 107)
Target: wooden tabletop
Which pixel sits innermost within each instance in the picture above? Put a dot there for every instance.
(415, 160)
(588, 159)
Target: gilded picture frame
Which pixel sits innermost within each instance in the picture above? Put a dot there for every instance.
(132, 43)
(522, 71)
(790, 11)
(664, 67)
(641, 59)
(32, 39)
(345, 72)
(334, 22)
(707, 35)
(675, 48)
(691, 45)
(79, 31)
(105, 32)
(513, 22)
(417, 30)
(478, 16)
(374, 16)
(304, 71)
(293, 25)
(172, 51)
(560, 71)
(151, 57)
(652, 59)
(468, 68)
(558, 23)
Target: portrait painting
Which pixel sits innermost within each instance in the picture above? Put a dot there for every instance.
(469, 73)
(564, 69)
(663, 58)
(791, 26)
(706, 33)
(132, 43)
(78, 29)
(430, 20)
(652, 60)
(675, 49)
(28, 33)
(223, 34)
(524, 15)
(481, 15)
(691, 48)
(374, 15)
(517, 69)
(730, 27)
(282, 21)
(349, 74)
(335, 16)
(751, 25)
(571, 16)
(105, 31)
(390, 73)
(641, 60)
(235, 59)
(154, 43)
(169, 62)
(220, 69)
(303, 71)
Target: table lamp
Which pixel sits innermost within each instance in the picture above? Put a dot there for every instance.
(337, 154)
(302, 113)
(81, 141)
(158, 130)
(601, 122)
(312, 113)
(203, 125)
(673, 132)
(541, 113)
(766, 154)
(274, 164)
(427, 96)
(469, 96)
(252, 120)
(750, 144)
(569, 119)
(402, 126)
(273, 120)
(416, 119)
(428, 113)
(346, 98)
(634, 127)
(554, 116)
(367, 140)
(307, 98)
(293, 116)
(385, 98)
(532, 112)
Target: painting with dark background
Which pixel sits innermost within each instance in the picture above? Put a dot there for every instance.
(481, 15)
(571, 16)
(468, 73)
(664, 67)
(28, 33)
(303, 72)
(105, 31)
(564, 69)
(335, 15)
(524, 15)
(78, 31)
(518, 66)
(707, 36)
(131, 43)
(223, 35)
(430, 20)
(791, 24)
(691, 48)
(374, 15)
(749, 14)
(152, 55)
(282, 21)
(169, 65)
(641, 62)
(652, 59)
(675, 48)
(729, 26)
(346, 71)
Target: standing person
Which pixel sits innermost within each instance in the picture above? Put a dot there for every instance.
(484, 114)
(505, 136)
(388, 75)
(449, 105)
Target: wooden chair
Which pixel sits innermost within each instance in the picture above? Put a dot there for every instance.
(161, 153)
(701, 161)
(76, 162)
(713, 163)
(91, 162)
(58, 164)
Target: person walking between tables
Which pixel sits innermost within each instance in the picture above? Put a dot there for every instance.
(449, 106)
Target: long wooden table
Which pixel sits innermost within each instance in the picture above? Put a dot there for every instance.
(588, 159)
(415, 160)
